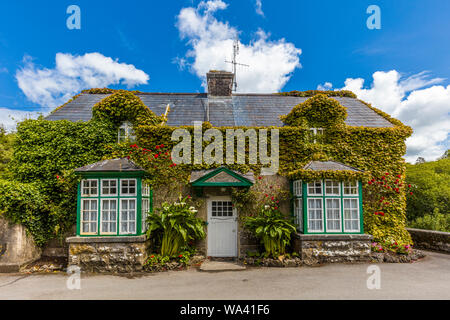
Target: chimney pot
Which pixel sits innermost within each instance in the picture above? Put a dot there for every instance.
(220, 83)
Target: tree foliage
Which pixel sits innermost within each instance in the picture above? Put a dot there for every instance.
(431, 181)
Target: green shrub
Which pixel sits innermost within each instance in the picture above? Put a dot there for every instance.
(435, 221)
(23, 203)
(272, 228)
(6, 150)
(432, 188)
(174, 225)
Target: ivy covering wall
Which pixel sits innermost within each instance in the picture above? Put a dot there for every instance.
(46, 150)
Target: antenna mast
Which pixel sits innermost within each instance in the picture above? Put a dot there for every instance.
(235, 63)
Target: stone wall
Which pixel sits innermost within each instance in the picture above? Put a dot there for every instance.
(315, 249)
(16, 247)
(431, 240)
(108, 254)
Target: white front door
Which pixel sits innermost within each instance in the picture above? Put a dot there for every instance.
(222, 228)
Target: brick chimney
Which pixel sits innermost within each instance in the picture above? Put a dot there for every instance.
(220, 83)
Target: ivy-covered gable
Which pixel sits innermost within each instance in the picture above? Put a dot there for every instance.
(319, 111)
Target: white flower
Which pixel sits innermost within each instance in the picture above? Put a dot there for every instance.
(266, 207)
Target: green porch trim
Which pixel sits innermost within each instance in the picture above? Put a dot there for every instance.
(201, 182)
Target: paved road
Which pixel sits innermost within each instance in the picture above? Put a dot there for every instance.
(426, 279)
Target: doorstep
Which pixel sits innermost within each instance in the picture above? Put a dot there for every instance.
(217, 266)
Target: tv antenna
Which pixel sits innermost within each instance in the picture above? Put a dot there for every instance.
(234, 61)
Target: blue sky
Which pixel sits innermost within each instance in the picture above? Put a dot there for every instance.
(325, 43)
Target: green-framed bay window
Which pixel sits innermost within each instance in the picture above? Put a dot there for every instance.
(327, 206)
(113, 203)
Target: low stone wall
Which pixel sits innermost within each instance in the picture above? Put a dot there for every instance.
(324, 248)
(16, 247)
(247, 242)
(431, 240)
(108, 254)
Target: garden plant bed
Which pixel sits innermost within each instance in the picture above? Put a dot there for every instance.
(174, 264)
(290, 262)
(46, 265)
(392, 257)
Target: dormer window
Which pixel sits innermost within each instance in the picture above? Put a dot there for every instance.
(315, 135)
(126, 132)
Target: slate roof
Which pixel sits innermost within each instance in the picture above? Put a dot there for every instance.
(328, 165)
(239, 110)
(116, 165)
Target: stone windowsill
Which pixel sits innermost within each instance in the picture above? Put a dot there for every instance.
(334, 237)
(122, 239)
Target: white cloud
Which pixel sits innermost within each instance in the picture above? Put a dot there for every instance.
(52, 87)
(258, 8)
(211, 41)
(326, 86)
(418, 102)
(10, 117)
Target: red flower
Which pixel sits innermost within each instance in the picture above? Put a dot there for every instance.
(278, 201)
(162, 146)
(399, 176)
(180, 256)
(189, 197)
(156, 156)
(57, 177)
(410, 193)
(272, 198)
(259, 178)
(370, 182)
(409, 186)
(152, 257)
(275, 208)
(266, 195)
(157, 147)
(387, 173)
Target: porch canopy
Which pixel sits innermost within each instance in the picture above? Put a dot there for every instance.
(221, 177)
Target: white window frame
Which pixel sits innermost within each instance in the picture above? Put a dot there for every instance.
(144, 212)
(355, 187)
(298, 213)
(358, 215)
(332, 194)
(82, 221)
(128, 194)
(127, 221)
(221, 201)
(130, 135)
(340, 215)
(109, 188)
(315, 133)
(297, 188)
(145, 190)
(90, 187)
(308, 215)
(315, 194)
(108, 221)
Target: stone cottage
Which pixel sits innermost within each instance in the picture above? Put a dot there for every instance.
(328, 211)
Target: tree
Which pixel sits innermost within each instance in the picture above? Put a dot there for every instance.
(420, 160)
(432, 190)
(6, 150)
